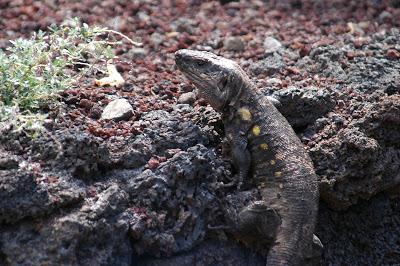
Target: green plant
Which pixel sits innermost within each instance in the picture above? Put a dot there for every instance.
(34, 71)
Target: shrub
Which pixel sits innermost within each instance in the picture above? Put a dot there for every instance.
(34, 71)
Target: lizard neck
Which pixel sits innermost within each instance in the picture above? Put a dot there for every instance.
(242, 98)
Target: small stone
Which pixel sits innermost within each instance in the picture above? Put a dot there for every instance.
(137, 52)
(393, 54)
(385, 17)
(223, 2)
(85, 103)
(274, 81)
(95, 112)
(171, 152)
(119, 109)
(48, 123)
(143, 16)
(234, 43)
(184, 25)
(350, 55)
(157, 39)
(359, 42)
(187, 98)
(153, 163)
(293, 70)
(305, 50)
(271, 45)
(8, 163)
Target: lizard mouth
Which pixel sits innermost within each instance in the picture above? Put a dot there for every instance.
(199, 82)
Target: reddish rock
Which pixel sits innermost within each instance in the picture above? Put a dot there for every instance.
(85, 103)
(393, 54)
(153, 163)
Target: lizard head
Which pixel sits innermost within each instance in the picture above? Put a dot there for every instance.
(218, 80)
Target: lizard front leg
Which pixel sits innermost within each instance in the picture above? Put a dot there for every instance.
(240, 156)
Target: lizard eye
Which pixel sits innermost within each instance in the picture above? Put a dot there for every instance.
(201, 63)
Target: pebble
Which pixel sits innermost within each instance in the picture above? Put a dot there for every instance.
(95, 112)
(119, 109)
(270, 65)
(385, 17)
(8, 163)
(153, 163)
(271, 45)
(137, 53)
(393, 54)
(188, 98)
(184, 25)
(157, 38)
(223, 2)
(48, 124)
(85, 103)
(234, 43)
(274, 81)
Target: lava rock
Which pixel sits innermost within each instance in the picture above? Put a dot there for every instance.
(179, 192)
(210, 253)
(302, 107)
(95, 234)
(163, 131)
(359, 160)
(23, 195)
(79, 153)
(324, 60)
(270, 65)
(370, 225)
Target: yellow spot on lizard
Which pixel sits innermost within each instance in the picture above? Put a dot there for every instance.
(278, 174)
(264, 146)
(272, 162)
(256, 130)
(244, 114)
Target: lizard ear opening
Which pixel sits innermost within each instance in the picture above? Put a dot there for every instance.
(222, 83)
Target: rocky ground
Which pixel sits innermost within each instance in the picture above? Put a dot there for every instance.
(144, 188)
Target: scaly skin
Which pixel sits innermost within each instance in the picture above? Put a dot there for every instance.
(265, 147)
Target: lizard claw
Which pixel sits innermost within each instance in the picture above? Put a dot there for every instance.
(219, 227)
(237, 180)
(231, 184)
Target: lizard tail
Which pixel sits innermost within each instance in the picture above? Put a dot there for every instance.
(293, 240)
(281, 254)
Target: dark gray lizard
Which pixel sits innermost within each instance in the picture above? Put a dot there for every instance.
(264, 146)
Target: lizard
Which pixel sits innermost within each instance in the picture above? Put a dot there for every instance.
(265, 147)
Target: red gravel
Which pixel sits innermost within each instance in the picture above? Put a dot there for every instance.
(152, 79)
